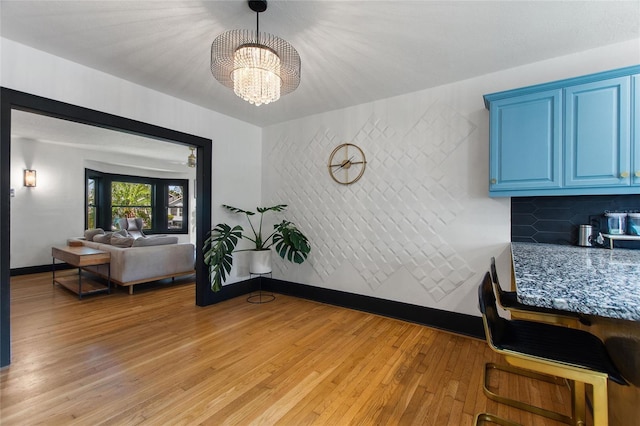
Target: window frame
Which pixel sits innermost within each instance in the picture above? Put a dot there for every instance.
(159, 200)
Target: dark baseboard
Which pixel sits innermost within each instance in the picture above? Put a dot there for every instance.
(234, 290)
(454, 322)
(38, 269)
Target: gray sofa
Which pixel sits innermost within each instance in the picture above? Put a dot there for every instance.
(135, 265)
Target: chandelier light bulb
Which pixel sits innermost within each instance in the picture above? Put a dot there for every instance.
(256, 74)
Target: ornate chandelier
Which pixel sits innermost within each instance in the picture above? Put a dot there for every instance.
(191, 159)
(259, 67)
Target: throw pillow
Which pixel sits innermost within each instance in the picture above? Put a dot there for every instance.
(155, 241)
(118, 240)
(103, 238)
(90, 233)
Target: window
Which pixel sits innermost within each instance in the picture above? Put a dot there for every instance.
(174, 206)
(161, 203)
(91, 204)
(130, 199)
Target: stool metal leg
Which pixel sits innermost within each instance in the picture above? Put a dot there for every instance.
(600, 402)
(521, 404)
(578, 402)
(486, 418)
(596, 379)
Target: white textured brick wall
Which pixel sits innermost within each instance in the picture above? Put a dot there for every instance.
(396, 232)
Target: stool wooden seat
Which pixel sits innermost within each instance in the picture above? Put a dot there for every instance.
(565, 352)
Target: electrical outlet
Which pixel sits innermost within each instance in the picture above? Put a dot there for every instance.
(13, 192)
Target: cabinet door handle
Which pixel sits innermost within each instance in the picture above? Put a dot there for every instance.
(624, 174)
(493, 181)
(637, 174)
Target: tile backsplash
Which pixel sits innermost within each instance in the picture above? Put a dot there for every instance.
(556, 219)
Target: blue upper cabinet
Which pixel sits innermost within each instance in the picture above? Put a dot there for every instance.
(571, 137)
(526, 142)
(597, 140)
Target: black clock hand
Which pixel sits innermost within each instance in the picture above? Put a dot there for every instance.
(344, 163)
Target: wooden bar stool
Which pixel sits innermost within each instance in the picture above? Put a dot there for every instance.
(573, 354)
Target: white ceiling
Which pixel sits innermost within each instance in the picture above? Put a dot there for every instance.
(352, 52)
(135, 148)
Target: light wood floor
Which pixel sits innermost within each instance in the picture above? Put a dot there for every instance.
(156, 358)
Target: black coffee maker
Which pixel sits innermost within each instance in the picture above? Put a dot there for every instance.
(598, 225)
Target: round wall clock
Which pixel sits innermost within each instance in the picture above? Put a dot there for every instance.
(347, 163)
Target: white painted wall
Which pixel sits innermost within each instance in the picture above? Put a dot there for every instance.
(233, 182)
(419, 226)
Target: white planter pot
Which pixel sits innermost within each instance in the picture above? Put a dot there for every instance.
(260, 262)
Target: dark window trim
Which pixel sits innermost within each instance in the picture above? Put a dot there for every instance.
(159, 200)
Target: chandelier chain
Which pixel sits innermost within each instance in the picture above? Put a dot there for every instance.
(257, 27)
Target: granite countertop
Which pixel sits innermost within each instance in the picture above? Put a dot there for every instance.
(589, 280)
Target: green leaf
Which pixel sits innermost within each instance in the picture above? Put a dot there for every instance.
(278, 208)
(290, 243)
(237, 210)
(218, 252)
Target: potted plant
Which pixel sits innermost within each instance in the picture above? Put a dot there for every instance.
(289, 242)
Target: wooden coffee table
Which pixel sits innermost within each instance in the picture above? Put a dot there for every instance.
(81, 257)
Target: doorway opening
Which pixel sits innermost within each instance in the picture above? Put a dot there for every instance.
(15, 100)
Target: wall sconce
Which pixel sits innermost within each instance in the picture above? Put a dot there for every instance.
(29, 178)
